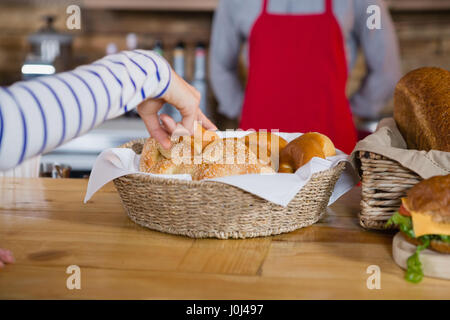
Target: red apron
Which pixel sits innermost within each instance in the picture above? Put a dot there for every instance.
(297, 77)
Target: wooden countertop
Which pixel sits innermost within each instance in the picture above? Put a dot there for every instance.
(46, 225)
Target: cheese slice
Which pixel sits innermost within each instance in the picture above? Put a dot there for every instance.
(423, 225)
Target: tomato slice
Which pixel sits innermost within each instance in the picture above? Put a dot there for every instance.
(404, 212)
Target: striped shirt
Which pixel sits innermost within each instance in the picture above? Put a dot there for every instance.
(39, 115)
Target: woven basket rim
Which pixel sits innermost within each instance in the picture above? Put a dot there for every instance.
(147, 178)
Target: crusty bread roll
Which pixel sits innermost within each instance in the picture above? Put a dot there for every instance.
(150, 155)
(226, 157)
(431, 197)
(197, 142)
(228, 151)
(217, 170)
(167, 166)
(219, 158)
(156, 159)
(266, 146)
(422, 109)
(299, 151)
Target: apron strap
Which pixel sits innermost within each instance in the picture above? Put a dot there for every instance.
(329, 6)
(264, 10)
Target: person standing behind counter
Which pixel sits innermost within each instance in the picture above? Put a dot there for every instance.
(299, 56)
(39, 115)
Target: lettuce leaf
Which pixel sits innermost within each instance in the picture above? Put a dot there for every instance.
(404, 224)
(414, 272)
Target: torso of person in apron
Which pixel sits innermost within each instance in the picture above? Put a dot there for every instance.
(297, 76)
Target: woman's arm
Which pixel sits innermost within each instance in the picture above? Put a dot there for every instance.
(39, 115)
(224, 58)
(380, 48)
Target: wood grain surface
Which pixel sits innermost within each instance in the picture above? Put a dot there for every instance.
(47, 226)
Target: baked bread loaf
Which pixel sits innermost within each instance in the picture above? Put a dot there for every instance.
(217, 170)
(422, 109)
(299, 151)
(150, 155)
(197, 142)
(266, 146)
(226, 157)
(228, 151)
(167, 166)
(218, 158)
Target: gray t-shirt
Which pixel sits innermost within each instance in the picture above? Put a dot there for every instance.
(232, 23)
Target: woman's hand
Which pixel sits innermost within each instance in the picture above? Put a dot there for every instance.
(6, 256)
(182, 96)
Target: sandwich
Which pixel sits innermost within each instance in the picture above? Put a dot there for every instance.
(424, 220)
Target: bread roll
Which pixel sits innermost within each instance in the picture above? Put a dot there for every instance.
(266, 146)
(228, 151)
(422, 109)
(167, 166)
(150, 155)
(299, 151)
(201, 138)
(153, 153)
(197, 142)
(221, 157)
(432, 197)
(217, 170)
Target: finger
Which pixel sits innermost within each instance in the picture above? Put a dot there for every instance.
(148, 110)
(168, 123)
(206, 123)
(180, 131)
(188, 110)
(188, 122)
(185, 98)
(157, 131)
(10, 258)
(6, 256)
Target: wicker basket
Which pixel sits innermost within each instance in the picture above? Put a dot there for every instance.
(384, 183)
(200, 209)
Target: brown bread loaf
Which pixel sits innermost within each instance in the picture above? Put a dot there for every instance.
(422, 109)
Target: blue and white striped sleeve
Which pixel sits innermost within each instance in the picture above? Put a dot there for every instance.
(38, 115)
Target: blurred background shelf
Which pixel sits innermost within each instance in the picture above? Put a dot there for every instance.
(417, 5)
(210, 5)
(177, 5)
